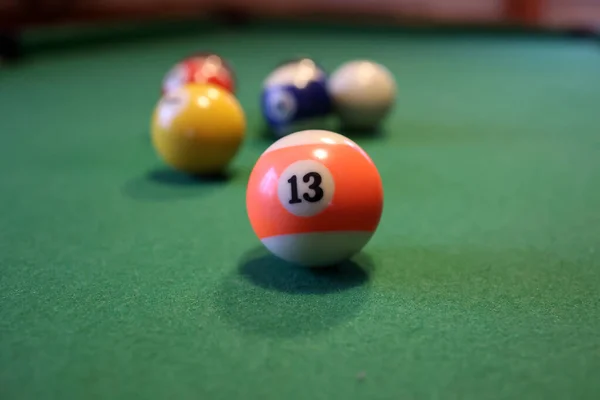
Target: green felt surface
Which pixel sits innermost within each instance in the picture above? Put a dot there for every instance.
(122, 280)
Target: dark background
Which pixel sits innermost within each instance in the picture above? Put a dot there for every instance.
(16, 14)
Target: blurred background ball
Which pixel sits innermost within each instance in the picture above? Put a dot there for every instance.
(200, 68)
(363, 93)
(198, 128)
(295, 97)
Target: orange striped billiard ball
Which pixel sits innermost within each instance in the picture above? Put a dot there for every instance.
(314, 198)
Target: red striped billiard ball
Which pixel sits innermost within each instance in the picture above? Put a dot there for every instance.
(200, 68)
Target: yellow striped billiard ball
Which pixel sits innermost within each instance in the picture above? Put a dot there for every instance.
(198, 128)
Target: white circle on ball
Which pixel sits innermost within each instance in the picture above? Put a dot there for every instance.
(175, 78)
(170, 106)
(306, 188)
(281, 105)
(297, 73)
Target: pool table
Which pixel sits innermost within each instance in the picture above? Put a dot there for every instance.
(123, 279)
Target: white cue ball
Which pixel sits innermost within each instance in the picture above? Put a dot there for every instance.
(363, 93)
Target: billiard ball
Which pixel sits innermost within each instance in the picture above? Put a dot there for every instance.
(363, 93)
(200, 68)
(198, 128)
(314, 198)
(295, 97)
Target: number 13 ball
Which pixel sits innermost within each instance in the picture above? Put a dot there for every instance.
(314, 198)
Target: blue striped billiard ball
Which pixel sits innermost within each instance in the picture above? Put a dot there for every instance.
(295, 97)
